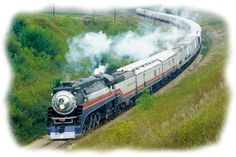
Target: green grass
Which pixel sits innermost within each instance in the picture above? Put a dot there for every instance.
(189, 115)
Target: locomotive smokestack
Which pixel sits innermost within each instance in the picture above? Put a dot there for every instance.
(100, 70)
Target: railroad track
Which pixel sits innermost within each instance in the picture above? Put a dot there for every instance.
(54, 144)
(45, 143)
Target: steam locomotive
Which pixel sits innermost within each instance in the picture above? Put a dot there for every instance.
(81, 104)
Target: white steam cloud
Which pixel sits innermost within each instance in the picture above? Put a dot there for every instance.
(147, 40)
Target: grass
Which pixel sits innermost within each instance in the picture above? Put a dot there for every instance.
(189, 115)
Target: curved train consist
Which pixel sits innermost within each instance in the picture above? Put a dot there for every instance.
(80, 105)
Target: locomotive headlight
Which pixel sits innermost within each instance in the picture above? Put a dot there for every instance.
(63, 102)
(62, 106)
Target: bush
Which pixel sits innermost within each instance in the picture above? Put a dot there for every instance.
(13, 46)
(18, 25)
(42, 40)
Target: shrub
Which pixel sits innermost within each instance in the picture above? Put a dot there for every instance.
(42, 40)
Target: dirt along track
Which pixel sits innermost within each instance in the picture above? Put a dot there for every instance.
(45, 143)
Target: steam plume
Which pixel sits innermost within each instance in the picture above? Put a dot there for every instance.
(147, 40)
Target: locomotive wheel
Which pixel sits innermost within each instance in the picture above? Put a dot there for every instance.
(123, 105)
(85, 126)
(131, 102)
(98, 117)
(108, 113)
(91, 121)
(118, 109)
(84, 129)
